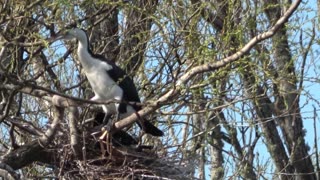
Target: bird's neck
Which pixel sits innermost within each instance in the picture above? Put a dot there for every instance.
(85, 56)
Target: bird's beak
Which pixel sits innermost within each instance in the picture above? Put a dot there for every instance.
(64, 35)
(59, 37)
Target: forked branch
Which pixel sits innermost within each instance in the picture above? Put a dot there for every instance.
(209, 67)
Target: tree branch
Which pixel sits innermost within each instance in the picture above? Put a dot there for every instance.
(181, 81)
(208, 67)
(7, 172)
(35, 150)
(73, 117)
(25, 126)
(51, 131)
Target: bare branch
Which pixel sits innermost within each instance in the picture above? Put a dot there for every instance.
(25, 126)
(73, 117)
(2, 54)
(7, 107)
(7, 172)
(35, 150)
(208, 67)
(49, 134)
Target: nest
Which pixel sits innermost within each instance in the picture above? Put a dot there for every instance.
(128, 163)
(123, 157)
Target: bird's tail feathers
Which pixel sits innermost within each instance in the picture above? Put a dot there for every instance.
(150, 128)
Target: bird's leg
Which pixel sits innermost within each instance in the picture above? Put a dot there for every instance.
(105, 138)
(109, 124)
(101, 142)
(107, 135)
(140, 137)
(106, 121)
(118, 113)
(103, 130)
(109, 145)
(118, 109)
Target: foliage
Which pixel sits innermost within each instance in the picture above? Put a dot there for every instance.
(229, 83)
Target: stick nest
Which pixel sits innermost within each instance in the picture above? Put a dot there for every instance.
(129, 163)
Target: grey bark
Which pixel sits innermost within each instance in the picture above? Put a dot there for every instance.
(287, 99)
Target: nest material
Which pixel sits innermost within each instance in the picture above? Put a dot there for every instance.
(125, 160)
(127, 163)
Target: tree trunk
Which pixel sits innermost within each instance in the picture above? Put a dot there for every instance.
(287, 100)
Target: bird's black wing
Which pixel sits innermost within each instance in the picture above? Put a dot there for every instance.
(125, 82)
(131, 95)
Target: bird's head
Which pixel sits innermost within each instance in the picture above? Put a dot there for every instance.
(74, 33)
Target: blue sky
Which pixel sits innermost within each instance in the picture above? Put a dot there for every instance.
(310, 96)
(311, 84)
(311, 87)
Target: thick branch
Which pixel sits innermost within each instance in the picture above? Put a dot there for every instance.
(49, 134)
(36, 150)
(209, 67)
(7, 172)
(73, 117)
(188, 75)
(26, 155)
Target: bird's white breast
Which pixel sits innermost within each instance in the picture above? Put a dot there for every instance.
(96, 71)
(104, 87)
(102, 84)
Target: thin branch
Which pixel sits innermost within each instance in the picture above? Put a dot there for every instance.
(25, 44)
(305, 54)
(33, 4)
(25, 126)
(2, 54)
(8, 105)
(208, 67)
(316, 141)
(57, 98)
(12, 138)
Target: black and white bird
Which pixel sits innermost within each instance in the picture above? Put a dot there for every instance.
(108, 82)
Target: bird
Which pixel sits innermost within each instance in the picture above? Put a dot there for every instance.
(108, 82)
(120, 138)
